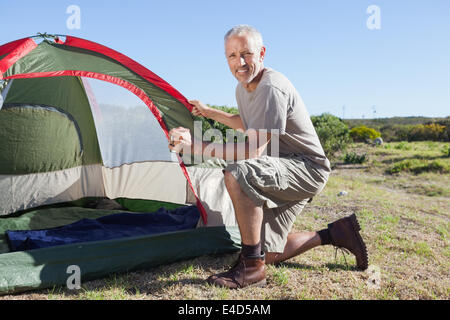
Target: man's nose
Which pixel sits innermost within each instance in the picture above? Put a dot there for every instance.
(241, 61)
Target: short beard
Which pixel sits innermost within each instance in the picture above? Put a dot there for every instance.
(253, 76)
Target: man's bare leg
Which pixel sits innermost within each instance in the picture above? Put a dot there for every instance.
(249, 216)
(250, 268)
(297, 243)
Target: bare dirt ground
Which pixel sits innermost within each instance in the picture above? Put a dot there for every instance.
(406, 230)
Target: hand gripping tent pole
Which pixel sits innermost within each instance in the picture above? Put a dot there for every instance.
(115, 68)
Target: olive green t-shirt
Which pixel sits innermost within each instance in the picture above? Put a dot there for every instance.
(275, 105)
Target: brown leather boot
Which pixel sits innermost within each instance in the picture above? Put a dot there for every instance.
(246, 272)
(345, 234)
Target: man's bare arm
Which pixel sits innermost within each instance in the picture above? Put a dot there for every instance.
(254, 147)
(231, 120)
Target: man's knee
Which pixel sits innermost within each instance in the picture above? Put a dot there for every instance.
(233, 187)
(230, 181)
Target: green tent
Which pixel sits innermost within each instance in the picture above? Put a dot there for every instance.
(60, 151)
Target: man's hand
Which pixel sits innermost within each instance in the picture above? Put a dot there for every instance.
(180, 140)
(199, 109)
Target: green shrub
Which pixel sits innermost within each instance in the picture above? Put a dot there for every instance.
(404, 165)
(363, 133)
(333, 133)
(352, 157)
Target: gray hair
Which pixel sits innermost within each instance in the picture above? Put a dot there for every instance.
(242, 29)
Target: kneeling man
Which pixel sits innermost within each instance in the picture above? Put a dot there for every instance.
(269, 191)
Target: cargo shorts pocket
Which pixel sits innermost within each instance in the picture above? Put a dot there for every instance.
(266, 174)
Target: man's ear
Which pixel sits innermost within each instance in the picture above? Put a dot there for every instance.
(262, 53)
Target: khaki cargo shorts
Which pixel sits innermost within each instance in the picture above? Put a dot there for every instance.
(282, 186)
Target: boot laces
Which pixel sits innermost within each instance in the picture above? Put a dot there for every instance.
(344, 251)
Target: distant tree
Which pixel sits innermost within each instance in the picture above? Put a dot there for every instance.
(333, 133)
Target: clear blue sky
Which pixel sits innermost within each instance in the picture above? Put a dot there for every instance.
(324, 47)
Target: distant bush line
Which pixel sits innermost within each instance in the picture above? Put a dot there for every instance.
(407, 129)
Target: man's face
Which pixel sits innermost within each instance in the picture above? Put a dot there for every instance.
(244, 59)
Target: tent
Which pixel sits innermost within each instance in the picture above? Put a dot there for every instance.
(61, 151)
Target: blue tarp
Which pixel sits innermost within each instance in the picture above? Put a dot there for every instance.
(108, 227)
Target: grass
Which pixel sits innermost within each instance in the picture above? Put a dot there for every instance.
(281, 276)
(415, 167)
(404, 221)
(418, 166)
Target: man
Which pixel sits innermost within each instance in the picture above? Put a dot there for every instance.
(269, 191)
